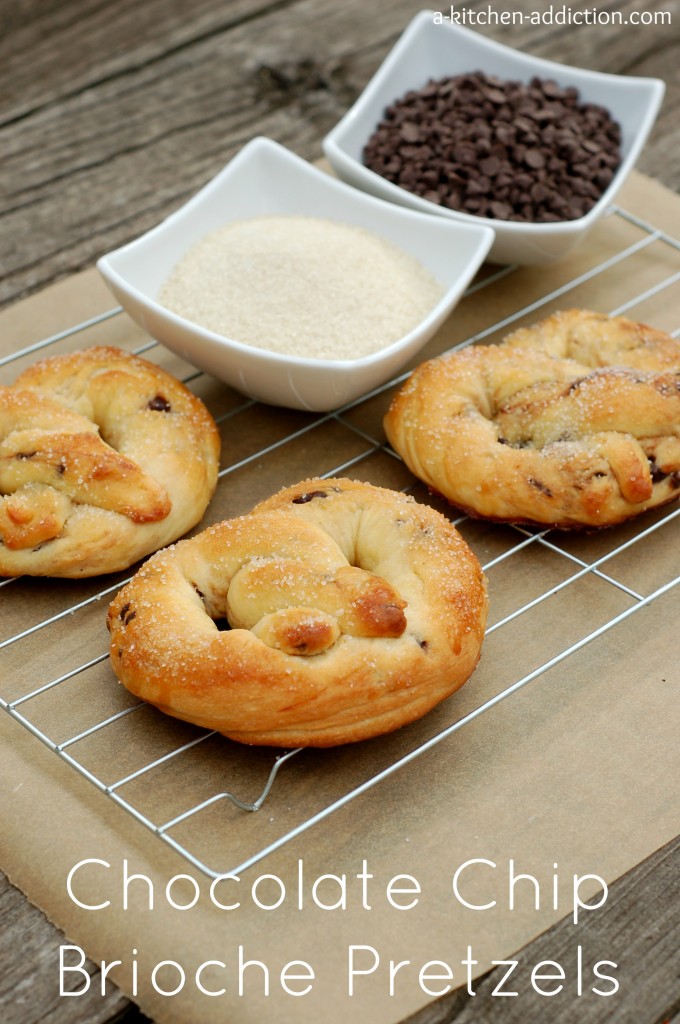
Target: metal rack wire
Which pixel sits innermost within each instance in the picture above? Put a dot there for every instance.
(574, 567)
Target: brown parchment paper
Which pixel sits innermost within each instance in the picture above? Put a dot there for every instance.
(574, 774)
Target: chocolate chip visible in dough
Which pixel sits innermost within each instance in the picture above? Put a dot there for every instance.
(125, 615)
(656, 474)
(302, 499)
(159, 404)
(540, 487)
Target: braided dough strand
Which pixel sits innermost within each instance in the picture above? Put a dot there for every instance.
(595, 339)
(352, 611)
(523, 432)
(103, 458)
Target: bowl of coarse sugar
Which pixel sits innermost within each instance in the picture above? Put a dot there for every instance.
(291, 286)
(458, 125)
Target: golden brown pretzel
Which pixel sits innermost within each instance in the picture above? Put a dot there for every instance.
(353, 610)
(574, 422)
(104, 458)
(595, 339)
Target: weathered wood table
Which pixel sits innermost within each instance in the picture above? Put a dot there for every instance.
(111, 115)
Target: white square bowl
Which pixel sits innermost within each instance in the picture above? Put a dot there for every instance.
(427, 50)
(266, 179)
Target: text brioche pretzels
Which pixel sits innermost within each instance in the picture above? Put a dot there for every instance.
(353, 610)
(104, 458)
(573, 422)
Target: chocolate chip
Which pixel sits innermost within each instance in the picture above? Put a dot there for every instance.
(539, 192)
(534, 158)
(490, 167)
(302, 499)
(23, 456)
(159, 404)
(540, 487)
(410, 132)
(501, 211)
(603, 178)
(501, 149)
(124, 610)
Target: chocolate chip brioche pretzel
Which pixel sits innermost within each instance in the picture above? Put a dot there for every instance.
(104, 458)
(574, 422)
(352, 611)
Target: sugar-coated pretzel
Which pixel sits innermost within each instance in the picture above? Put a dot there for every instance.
(104, 458)
(596, 340)
(573, 422)
(352, 610)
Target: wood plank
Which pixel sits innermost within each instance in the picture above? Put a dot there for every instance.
(35, 996)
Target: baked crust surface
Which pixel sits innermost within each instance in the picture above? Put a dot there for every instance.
(104, 458)
(352, 610)
(574, 422)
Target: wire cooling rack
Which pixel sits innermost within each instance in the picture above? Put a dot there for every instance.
(184, 828)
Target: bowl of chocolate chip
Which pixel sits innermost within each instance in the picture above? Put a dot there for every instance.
(458, 125)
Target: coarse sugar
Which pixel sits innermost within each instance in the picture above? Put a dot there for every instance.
(303, 286)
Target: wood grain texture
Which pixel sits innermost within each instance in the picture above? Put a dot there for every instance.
(34, 995)
(114, 113)
(111, 115)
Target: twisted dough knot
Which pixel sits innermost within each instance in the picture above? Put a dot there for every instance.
(351, 611)
(296, 592)
(103, 458)
(574, 422)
